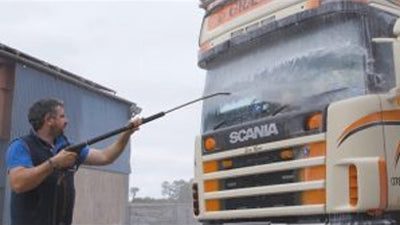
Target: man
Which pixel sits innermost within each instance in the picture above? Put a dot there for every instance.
(41, 171)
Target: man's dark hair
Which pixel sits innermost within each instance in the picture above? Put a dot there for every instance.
(39, 110)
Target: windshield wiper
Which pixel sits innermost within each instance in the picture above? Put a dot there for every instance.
(219, 125)
(280, 109)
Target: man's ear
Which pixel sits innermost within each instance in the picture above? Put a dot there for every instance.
(48, 119)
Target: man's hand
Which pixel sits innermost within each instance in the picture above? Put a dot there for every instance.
(64, 159)
(111, 152)
(134, 122)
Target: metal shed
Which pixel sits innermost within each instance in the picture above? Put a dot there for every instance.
(92, 109)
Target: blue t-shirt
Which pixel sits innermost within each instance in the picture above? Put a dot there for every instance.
(18, 154)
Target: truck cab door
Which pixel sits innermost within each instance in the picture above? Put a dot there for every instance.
(387, 62)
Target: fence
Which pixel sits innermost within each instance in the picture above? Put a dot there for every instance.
(161, 214)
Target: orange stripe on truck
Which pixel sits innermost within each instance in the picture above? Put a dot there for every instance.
(210, 166)
(211, 185)
(397, 155)
(353, 186)
(312, 4)
(385, 116)
(361, 122)
(213, 205)
(383, 184)
(232, 11)
(314, 173)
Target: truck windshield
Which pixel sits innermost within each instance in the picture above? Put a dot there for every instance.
(294, 68)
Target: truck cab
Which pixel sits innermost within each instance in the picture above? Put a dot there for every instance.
(311, 130)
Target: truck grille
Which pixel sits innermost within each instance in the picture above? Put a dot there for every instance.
(278, 178)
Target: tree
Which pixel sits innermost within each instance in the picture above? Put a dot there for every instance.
(133, 191)
(178, 190)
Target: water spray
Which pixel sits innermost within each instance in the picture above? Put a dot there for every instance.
(77, 147)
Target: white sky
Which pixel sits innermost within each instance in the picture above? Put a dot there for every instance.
(145, 50)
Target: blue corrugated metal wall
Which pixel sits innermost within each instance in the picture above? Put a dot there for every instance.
(89, 113)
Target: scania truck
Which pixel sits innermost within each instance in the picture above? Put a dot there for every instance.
(311, 130)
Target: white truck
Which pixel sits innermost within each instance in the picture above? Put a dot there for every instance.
(311, 130)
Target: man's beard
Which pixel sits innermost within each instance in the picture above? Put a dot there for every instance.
(57, 131)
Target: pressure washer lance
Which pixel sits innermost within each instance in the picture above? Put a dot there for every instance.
(78, 147)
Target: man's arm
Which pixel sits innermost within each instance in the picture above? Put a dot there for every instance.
(24, 179)
(113, 151)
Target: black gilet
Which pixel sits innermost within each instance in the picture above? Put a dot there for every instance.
(52, 202)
